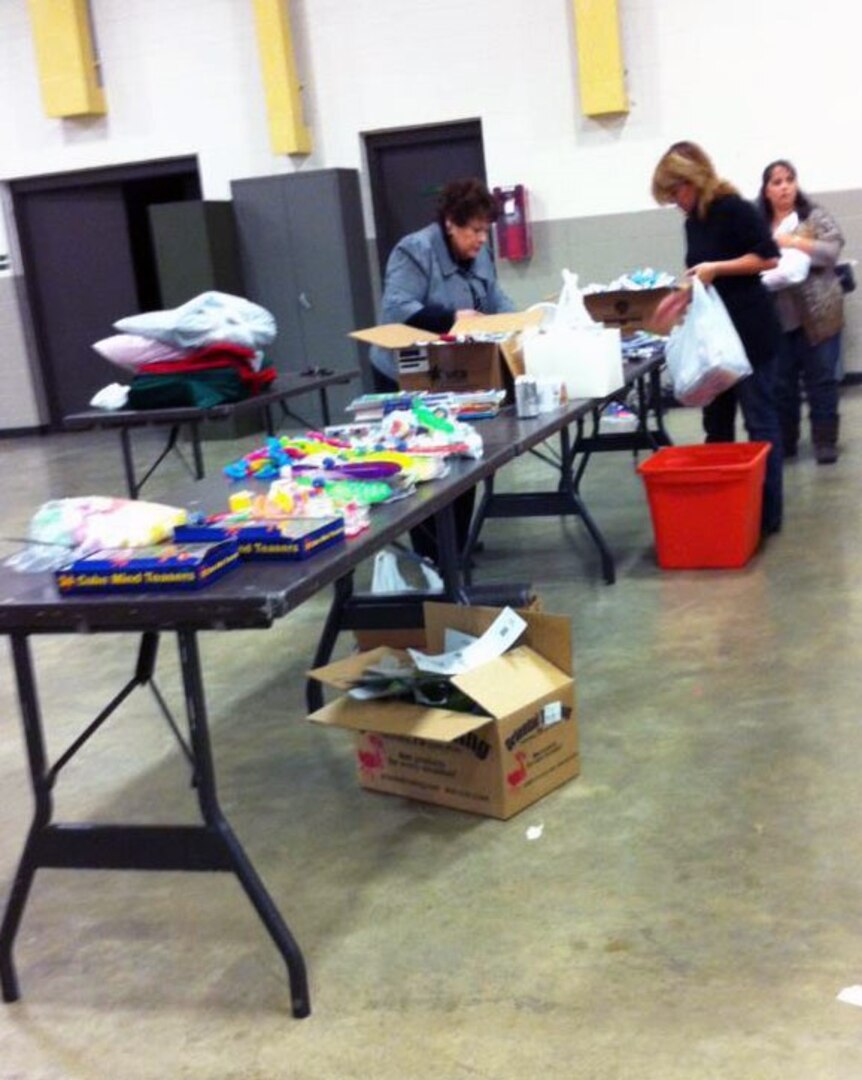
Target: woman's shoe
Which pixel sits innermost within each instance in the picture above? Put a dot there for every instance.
(825, 453)
(824, 435)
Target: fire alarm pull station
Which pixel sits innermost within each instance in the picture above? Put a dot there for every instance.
(514, 236)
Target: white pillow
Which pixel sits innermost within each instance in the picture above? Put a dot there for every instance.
(131, 350)
(206, 319)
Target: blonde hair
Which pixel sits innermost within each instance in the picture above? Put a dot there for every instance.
(686, 163)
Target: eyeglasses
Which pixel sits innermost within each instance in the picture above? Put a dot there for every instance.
(483, 229)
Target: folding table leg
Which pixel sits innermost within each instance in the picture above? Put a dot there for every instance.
(128, 463)
(210, 846)
(41, 784)
(215, 819)
(476, 528)
(331, 629)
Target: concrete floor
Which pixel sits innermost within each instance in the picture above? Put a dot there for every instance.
(691, 910)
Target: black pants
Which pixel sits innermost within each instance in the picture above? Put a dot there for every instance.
(755, 396)
(719, 417)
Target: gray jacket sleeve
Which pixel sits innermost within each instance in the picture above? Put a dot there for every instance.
(407, 281)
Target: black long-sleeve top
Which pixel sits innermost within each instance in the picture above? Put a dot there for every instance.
(733, 227)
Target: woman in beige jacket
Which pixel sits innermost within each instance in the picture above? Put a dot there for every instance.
(811, 312)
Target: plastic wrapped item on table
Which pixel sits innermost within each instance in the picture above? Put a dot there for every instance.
(62, 530)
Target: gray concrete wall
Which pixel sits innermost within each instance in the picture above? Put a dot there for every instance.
(20, 385)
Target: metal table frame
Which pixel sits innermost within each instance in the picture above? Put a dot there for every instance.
(573, 456)
(253, 596)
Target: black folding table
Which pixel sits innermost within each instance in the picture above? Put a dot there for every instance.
(192, 418)
(251, 596)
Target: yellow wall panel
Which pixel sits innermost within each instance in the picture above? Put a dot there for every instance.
(600, 57)
(65, 57)
(287, 131)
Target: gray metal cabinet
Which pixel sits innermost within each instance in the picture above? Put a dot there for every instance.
(304, 256)
(195, 249)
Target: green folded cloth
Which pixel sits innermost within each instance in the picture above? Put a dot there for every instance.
(201, 390)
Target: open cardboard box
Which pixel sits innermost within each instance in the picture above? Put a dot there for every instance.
(426, 362)
(627, 309)
(523, 745)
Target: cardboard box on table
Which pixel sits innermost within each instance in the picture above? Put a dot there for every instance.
(523, 746)
(628, 310)
(425, 362)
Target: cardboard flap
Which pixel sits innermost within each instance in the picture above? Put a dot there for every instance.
(342, 674)
(388, 717)
(506, 322)
(512, 351)
(512, 681)
(393, 335)
(549, 635)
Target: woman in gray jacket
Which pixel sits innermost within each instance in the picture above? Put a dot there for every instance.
(811, 312)
(434, 277)
(444, 271)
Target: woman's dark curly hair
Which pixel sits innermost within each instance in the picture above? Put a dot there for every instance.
(803, 205)
(462, 201)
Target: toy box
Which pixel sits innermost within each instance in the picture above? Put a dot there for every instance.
(157, 568)
(286, 538)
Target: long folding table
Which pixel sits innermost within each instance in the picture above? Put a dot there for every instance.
(253, 596)
(192, 419)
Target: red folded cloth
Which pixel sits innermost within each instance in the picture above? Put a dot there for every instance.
(255, 380)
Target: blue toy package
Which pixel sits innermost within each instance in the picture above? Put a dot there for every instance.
(287, 538)
(156, 568)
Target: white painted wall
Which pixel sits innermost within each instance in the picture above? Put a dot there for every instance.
(750, 79)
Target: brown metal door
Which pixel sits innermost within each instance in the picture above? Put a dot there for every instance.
(407, 169)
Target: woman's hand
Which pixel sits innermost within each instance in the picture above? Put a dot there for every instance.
(795, 241)
(669, 312)
(707, 272)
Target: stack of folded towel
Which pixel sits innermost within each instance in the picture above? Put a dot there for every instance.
(205, 352)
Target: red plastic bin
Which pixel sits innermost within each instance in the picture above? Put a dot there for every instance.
(705, 502)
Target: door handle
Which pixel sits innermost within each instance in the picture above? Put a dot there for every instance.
(304, 302)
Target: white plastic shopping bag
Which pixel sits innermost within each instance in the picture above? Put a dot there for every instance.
(387, 577)
(793, 264)
(570, 347)
(704, 354)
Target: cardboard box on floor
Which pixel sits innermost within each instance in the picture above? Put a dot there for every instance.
(523, 746)
(426, 363)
